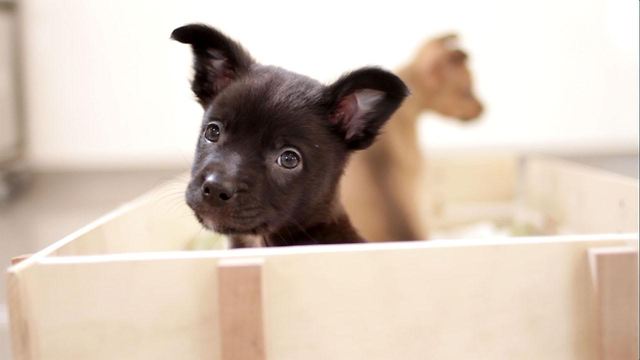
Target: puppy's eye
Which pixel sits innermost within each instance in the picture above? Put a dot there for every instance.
(212, 131)
(289, 159)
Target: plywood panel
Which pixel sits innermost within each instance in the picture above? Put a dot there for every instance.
(526, 299)
(569, 198)
(615, 276)
(473, 177)
(581, 200)
(485, 302)
(240, 303)
(468, 187)
(157, 221)
(154, 309)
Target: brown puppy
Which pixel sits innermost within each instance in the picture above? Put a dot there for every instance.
(381, 186)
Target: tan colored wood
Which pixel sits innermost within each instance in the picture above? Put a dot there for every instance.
(19, 258)
(240, 304)
(496, 302)
(615, 275)
(465, 188)
(160, 221)
(580, 200)
(122, 288)
(525, 299)
(473, 177)
(118, 308)
(157, 221)
(18, 320)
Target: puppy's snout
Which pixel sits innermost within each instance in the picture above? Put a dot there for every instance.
(217, 190)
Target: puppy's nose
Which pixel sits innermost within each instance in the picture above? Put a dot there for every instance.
(217, 190)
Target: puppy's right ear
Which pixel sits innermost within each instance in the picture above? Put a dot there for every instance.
(360, 102)
(217, 61)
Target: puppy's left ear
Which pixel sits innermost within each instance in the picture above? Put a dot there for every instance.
(361, 102)
(218, 60)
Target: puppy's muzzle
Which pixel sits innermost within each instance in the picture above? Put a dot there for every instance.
(217, 190)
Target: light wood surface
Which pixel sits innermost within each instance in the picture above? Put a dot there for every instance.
(526, 299)
(19, 258)
(240, 297)
(156, 309)
(465, 188)
(157, 221)
(123, 288)
(580, 200)
(615, 277)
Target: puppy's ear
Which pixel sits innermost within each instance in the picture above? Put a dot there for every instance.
(361, 102)
(217, 61)
(457, 57)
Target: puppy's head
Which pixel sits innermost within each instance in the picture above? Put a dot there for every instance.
(442, 79)
(273, 144)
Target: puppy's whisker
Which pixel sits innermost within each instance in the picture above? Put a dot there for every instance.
(290, 220)
(282, 239)
(168, 195)
(304, 232)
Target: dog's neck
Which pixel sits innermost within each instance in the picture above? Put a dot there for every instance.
(402, 129)
(334, 231)
(421, 99)
(332, 228)
(400, 133)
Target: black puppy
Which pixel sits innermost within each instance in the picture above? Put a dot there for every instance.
(273, 144)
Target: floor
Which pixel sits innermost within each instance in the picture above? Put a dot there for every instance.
(54, 204)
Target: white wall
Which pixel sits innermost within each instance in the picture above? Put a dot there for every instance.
(107, 88)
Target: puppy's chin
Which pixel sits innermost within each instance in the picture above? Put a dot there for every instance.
(229, 227)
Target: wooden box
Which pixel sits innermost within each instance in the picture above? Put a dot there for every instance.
(127, 287)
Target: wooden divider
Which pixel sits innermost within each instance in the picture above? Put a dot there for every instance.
(615, 275)
(240, 304)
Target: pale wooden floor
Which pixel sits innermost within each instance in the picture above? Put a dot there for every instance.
(55, 204)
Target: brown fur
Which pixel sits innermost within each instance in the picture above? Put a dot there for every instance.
(380, 186)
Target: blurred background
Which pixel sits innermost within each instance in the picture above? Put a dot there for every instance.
(95, 106)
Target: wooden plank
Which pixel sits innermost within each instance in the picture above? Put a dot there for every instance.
(528, 298)
(471, 177)
(577, 199)
(466, 187)
(18, 320)
(615, 275)
(159, 221)
(156, 221)
(500, 301)
(240, 304)
(79, 308)
(19, 258)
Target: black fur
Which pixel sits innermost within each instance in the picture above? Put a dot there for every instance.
(264, 111)
(218, 60)
(369, 78)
